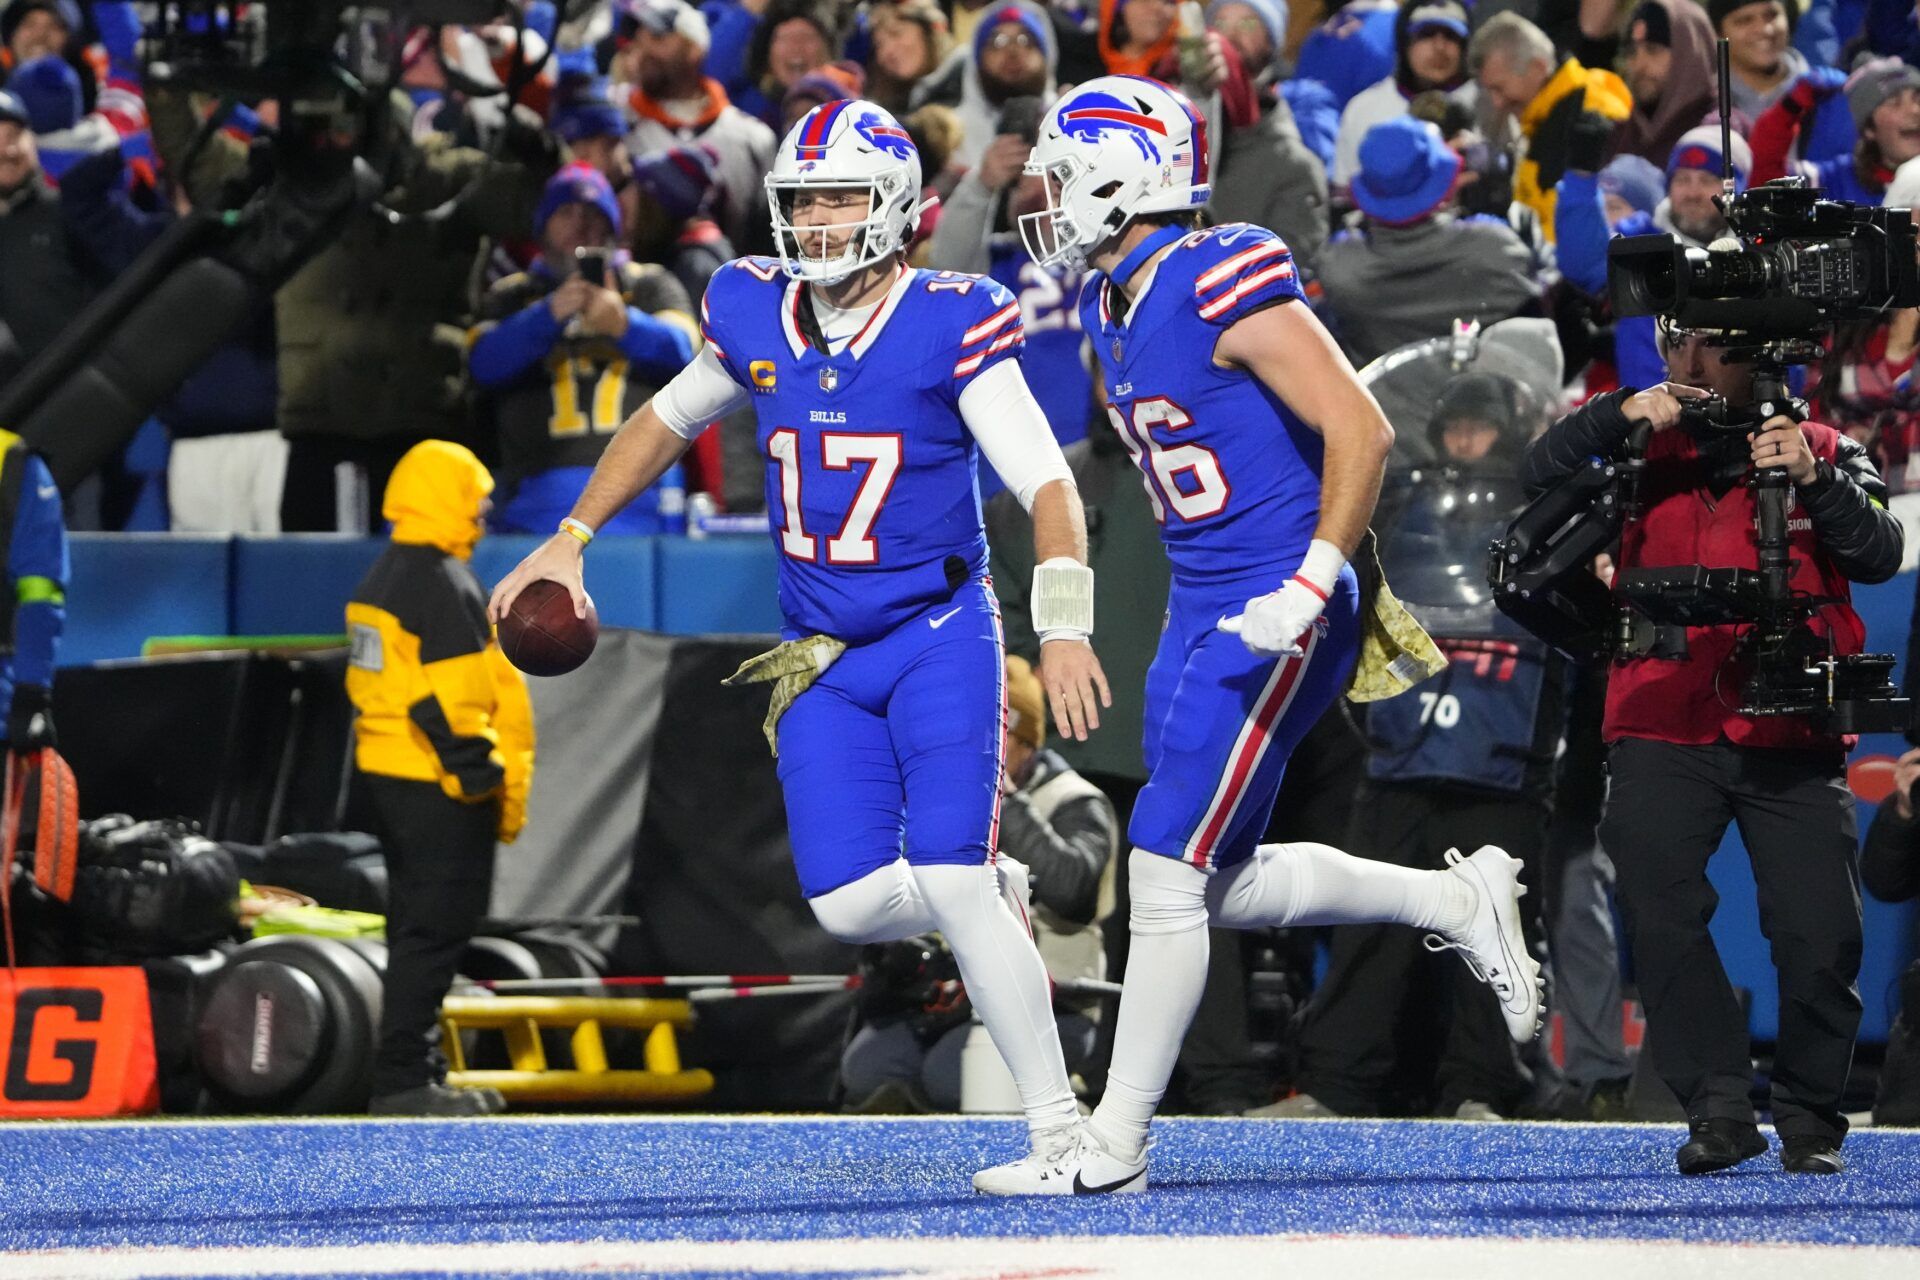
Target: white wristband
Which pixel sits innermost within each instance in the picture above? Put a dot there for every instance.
(1062, 599)
(1322, 566)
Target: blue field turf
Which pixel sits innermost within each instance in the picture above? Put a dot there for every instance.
(345, 1183)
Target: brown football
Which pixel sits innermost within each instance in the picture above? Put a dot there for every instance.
(542, 636)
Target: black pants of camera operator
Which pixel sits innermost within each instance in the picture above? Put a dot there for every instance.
(439, 855)
(1393, 1027)
(1669, 807)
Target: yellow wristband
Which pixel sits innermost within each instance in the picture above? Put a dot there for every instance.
(578, 529)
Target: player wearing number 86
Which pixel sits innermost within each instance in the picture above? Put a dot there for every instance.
(1262, 456)
(877, 387)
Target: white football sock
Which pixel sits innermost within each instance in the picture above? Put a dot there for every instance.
(1006, 982)
(1311, 884)
(881, 906)
(1166, 970)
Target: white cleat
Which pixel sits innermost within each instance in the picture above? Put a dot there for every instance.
(1047, 1170)
(1492, 943)
(1101, 1173)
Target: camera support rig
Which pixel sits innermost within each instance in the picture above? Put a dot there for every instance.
(1793, 267)
(1540, 577)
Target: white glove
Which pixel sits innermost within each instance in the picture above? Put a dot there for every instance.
(1272, 625)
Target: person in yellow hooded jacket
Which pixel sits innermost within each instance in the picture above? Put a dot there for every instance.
(1565, 112)
(444, 740)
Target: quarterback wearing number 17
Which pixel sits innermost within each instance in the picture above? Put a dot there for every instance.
(1262, 455)
(877, 388)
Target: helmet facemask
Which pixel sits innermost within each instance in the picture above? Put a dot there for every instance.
(1051, 234)
(871, 239)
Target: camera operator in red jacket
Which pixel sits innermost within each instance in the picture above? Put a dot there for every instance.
(1684, 761)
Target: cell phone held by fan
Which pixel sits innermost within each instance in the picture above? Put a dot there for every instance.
(593, 263)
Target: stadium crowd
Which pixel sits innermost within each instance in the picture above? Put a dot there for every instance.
(1428, 162)
(1425, 162)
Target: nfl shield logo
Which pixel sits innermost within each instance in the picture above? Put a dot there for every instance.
(829, 378)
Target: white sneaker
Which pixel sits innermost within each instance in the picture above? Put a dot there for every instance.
(1101, 1173)
(1047, 1170)
(1492, 943)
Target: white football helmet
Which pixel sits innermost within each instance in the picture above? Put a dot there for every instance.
(846, 144)
(1114, 148)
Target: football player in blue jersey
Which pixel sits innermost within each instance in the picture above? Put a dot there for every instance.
(877, 386)
(1262, 456)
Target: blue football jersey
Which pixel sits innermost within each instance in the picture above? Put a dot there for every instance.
(1055, 364)
(1233, 475)
(870, 479)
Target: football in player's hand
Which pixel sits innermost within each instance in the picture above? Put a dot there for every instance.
(541, 634)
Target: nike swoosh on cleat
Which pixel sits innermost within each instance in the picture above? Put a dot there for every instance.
(936, 623)
(1513, 999)
(1080, 1188)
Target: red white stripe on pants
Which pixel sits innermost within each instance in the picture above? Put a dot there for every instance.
(1000, 652)
(1249, 749)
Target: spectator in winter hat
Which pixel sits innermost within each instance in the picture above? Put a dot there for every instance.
(675, 191)
(1013, 54)
(1883, 99)
(1257, 30)
(584, 116)
(1670, 67)
(1430, 41)
(50, 91)
(42, 286)
(1591, 210)
(1694, 176)
(1406, 173)
(555, 345)
(33, 28)
(675, 104)
(1629, 185)
(1414, 269)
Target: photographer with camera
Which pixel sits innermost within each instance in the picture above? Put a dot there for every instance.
(566, 350)
(1684, 762)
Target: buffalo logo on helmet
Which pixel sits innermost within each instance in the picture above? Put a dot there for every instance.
(1096, 117)
(890, 138)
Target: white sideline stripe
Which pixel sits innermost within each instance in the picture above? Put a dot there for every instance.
(974, 1258)
(683, 1118)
